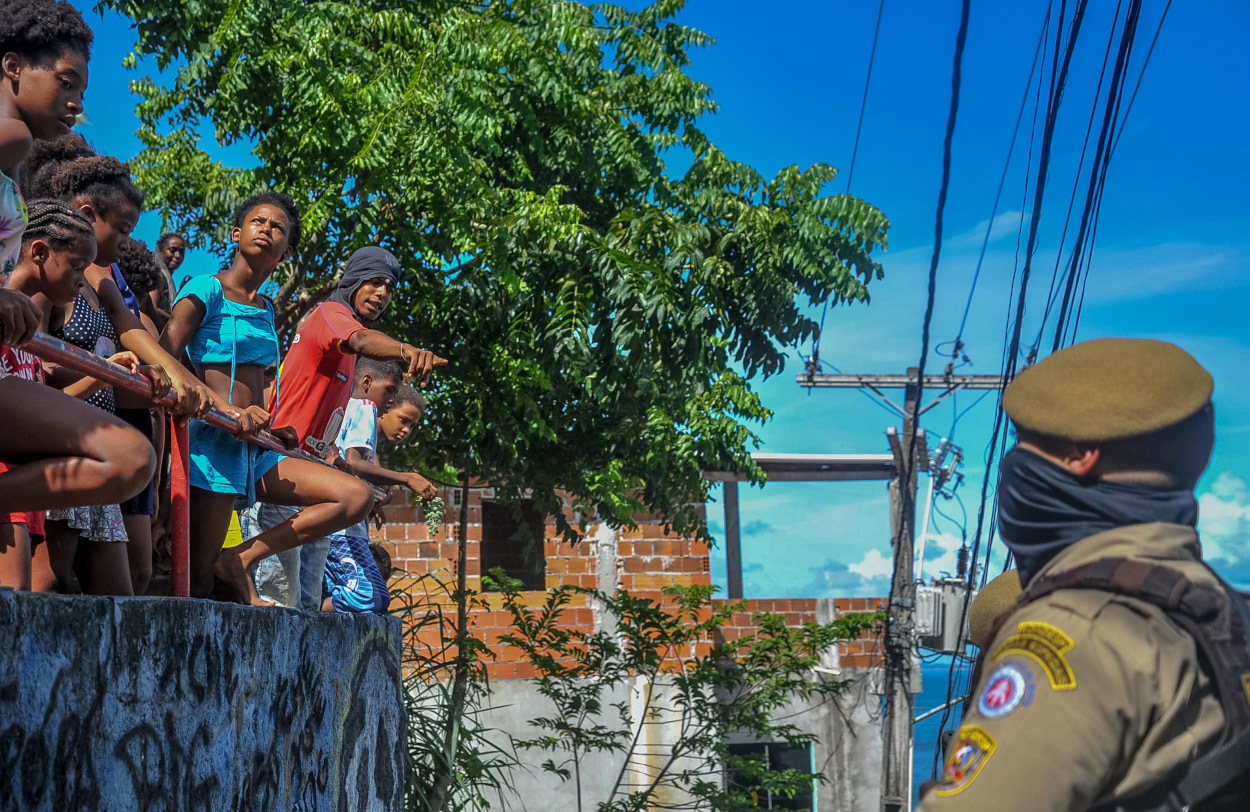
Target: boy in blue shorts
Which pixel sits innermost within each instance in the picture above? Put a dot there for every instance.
(353, 580)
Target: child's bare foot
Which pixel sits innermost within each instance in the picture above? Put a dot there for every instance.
(229, 568)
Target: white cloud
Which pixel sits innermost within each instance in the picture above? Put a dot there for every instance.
(873, 565)
(941, 555)
(1165, 268)
(1224, 525)
(1005, 223)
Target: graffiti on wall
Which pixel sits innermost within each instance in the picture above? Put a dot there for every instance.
(181, 705)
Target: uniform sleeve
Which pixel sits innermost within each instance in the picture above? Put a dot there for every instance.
(1059, 709)
(336, 325)
(360, 427)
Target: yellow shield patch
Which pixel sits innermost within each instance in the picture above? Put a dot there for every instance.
(1046, 645)
(967, 756)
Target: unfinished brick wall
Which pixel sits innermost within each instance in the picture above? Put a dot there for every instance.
(643, 561)
(863, 653)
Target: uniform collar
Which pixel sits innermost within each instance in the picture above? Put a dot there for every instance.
(1157, 541)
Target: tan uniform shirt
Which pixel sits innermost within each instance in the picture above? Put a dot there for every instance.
(1085, 696)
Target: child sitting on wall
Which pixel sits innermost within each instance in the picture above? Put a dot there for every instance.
(354, 581)
(57, 246)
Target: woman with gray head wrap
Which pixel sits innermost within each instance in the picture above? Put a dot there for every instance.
(312, 390)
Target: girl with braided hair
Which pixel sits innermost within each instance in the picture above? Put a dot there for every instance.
(61, 452)
(100, 187)
(107, 311)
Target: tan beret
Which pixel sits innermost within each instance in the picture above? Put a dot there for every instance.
(1108, 389)
(992, 601)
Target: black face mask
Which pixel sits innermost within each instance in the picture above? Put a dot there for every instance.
(1043, 508)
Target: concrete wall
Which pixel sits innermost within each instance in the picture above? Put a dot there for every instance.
(177, 704)
(847, 751)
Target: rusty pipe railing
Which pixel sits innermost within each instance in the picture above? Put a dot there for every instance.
(180, 508)
(59, 352)
(67, 355)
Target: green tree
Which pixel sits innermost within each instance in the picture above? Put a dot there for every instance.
(702, 689)
(603, 312)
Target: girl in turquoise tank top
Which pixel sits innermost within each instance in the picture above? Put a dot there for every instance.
(227, 329)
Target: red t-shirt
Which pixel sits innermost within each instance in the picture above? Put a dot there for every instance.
(316, 377)
(17, 363)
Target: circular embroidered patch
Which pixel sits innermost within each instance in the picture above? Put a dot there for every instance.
(1006, 689)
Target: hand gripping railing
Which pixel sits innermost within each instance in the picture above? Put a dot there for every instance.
(79, 360)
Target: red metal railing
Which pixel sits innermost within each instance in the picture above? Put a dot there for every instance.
(67, 355)
(180, 508)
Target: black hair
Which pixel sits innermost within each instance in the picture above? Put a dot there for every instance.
(379, 369)
(278, 199)
(383, 559)
(46, 158)
(167, 237)
(69, 167)
(407, 393)
(138, 266)
(57, 223)
(39, 31)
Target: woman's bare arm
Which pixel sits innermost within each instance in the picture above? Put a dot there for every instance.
(193, 396)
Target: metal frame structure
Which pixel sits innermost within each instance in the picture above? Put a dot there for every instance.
(791, 468)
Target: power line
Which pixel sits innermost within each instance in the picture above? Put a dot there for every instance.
(859, 126)
(1077, 274)
(902, 615)
(1145, 63)
(1102, 157)
(1058, 80)
(1001, 182)
(863, 102)
(1053, 294)
(1123, 123)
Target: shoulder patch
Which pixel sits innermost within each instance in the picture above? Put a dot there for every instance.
(1007, 689)
(968, 754)
(1245, 684)
(1046, 645)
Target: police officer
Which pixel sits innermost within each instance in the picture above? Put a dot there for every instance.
(1089, 695)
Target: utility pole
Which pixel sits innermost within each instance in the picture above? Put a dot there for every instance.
(901, 653)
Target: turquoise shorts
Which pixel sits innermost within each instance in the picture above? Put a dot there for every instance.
(222, 464)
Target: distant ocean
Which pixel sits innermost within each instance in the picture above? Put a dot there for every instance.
(934, 678)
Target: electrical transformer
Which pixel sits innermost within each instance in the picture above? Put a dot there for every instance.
(941, 616)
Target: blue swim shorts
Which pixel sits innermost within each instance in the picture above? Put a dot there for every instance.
(352, 578)
(222, 464)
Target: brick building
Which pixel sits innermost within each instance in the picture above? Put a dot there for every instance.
(642, 561)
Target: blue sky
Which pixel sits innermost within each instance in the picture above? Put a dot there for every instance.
(1169, 261)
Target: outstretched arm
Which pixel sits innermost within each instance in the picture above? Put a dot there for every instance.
(373, 344)
(376, 474)
(193, 396)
